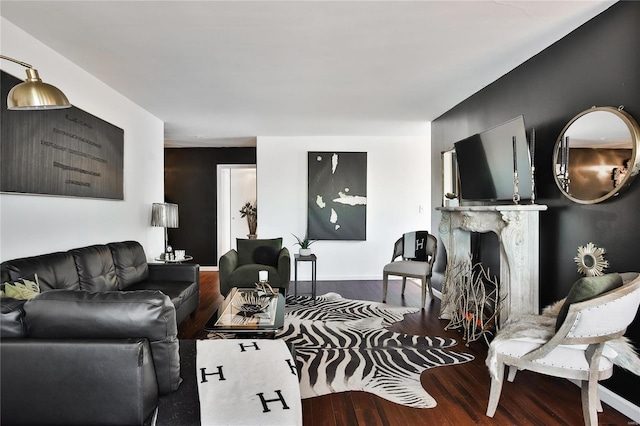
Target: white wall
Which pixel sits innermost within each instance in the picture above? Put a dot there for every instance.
(31, 225)
(398, 196)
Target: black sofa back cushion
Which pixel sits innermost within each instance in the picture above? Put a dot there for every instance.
(55, 270)
(95, 267)
(130, 262)
(111, 315)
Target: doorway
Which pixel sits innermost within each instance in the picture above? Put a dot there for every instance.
(236, 187)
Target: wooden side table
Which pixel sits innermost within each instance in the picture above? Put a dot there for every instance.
(310, 258)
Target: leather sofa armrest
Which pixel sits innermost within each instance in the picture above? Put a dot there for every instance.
(174, 272)
(284, 267)
(11, 318)
(104, 381)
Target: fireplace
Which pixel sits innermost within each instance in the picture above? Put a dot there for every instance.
(517, 228)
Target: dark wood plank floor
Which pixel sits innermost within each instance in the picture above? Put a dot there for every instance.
(462, 391)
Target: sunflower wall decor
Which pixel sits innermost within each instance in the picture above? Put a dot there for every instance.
(591, 261)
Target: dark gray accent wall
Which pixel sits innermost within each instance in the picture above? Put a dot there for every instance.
(190, 180)
(596, 65)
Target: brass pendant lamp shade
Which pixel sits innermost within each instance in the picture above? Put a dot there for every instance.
(34, 94)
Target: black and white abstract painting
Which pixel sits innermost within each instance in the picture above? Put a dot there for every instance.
(337, 196)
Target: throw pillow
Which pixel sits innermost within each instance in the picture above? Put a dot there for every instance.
(266, 255)
(22, 289)
(415, 246)
(246, 248)
(587, 288)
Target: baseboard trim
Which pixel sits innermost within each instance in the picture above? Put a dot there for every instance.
(209, 268)
(437, 293)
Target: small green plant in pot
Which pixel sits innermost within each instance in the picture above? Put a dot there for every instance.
(304, 245)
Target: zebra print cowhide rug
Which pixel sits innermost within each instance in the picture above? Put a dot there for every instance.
(343, 345)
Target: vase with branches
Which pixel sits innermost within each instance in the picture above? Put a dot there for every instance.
(250, 211)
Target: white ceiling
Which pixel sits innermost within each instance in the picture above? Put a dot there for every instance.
(220, 73)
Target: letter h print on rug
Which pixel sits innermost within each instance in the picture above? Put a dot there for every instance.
(247, 382)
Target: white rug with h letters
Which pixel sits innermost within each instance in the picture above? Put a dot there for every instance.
(247, 382)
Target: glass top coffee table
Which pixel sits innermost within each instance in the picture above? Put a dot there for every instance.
(248, 311)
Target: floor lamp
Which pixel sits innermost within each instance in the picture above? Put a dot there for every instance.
(165, 216)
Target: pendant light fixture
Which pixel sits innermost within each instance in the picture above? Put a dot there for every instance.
(34, 94)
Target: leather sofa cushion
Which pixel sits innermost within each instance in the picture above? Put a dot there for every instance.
(111, 315)
(178, 291)
(130, 262)
(246, 248)
(54, 270)
(96, 270)
(11, 318)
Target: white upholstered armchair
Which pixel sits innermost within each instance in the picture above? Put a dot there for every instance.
(578, 350)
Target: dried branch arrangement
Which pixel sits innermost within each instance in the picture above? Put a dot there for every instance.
(473, 302)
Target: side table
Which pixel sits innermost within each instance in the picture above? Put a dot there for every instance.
(184, 259)
(310, 258)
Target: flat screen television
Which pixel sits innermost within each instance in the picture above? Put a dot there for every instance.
(485, 163)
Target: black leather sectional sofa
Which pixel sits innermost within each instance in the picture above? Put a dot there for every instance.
(99, 344)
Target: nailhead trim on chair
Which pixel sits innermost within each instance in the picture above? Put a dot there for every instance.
(595, 308)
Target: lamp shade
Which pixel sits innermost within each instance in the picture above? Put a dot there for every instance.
(164, 215)
(33, 94)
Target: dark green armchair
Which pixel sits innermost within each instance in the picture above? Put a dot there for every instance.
(239, 268)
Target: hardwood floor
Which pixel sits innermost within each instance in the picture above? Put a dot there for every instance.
(462, 391)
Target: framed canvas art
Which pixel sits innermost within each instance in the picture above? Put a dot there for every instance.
(337, 196)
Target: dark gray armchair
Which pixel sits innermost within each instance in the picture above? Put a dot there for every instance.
(239, 268)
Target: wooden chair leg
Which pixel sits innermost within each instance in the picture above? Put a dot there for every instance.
(590, 402)
(424, 291)
(385, 283)
(404, 284)
(590, 398)
(512, 373)
(430, 289)
(496, 389)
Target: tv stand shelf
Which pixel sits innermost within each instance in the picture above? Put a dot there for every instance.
(517, 228)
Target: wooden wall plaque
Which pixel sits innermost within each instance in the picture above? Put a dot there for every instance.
(66, 152)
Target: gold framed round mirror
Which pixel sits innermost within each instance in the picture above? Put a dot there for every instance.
(597, 155)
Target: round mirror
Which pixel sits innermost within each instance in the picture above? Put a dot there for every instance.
(591, 261)
(588, 261)
(597, 154)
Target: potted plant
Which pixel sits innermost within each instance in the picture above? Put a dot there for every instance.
(304, 245)
(251, 213)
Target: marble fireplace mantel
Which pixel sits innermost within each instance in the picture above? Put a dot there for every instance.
(517, 228)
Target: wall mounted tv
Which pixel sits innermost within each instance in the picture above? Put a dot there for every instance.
(485, 163)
